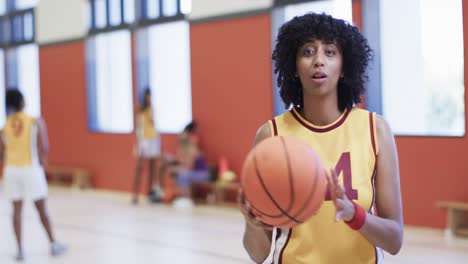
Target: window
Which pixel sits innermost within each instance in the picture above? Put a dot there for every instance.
(111, 14)
(19, 56)
(3, 7)
(423, 67)
(109, 67)
(156, 9)
(169, 8)
(100, 20)
(129, 11)
(111, 82)
(163, 49)
(337, 8)
(169, 64)
(152, 9)
(23, 73)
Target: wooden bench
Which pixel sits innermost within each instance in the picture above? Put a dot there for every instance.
(215, 192)
(220, 189)
(457, 217)
(74, 177)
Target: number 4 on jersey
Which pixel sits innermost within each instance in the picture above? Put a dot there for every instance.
(343, 167)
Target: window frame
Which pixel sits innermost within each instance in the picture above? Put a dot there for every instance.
(374, 95)
(143, 22)
(93, 30)
(7, 22)
(91, 67)
(10, 42)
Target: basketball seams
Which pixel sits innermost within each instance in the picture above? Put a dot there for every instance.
(290, 175)
(311, 195)
(285, 209)
(262, 183)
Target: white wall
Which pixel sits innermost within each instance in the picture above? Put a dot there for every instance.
(60, 20)
(210, 8)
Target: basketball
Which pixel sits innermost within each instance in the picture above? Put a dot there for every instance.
(284, 181)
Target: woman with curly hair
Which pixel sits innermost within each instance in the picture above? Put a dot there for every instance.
(321, 63)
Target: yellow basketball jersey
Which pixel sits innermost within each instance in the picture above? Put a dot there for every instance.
(146, 123)
(20, 136)
(349, 145)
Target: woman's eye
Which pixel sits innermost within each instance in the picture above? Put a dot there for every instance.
(308, 52)
(330, 52)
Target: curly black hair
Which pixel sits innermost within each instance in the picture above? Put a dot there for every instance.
(14, 99)
(352, 44)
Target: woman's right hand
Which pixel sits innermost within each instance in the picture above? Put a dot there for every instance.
(246, 210)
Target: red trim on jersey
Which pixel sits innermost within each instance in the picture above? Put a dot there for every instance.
(371, 121)
(376, 255)
(374, 173)
(278, 235)
(275, 128)
(320, 130)
(280, 259)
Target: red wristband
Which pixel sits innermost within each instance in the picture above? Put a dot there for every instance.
(359, 217)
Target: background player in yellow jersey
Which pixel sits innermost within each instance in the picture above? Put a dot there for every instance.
(24, 149)
(321, 63)
(148, 149)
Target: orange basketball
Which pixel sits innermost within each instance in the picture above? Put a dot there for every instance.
(284, 181)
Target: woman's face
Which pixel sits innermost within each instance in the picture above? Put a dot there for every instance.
(319, 67)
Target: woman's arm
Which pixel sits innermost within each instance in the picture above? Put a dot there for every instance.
(257, 236)
(43, 142)
(386, 229)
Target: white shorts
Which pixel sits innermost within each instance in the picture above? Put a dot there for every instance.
(150, 148)
(22, 182)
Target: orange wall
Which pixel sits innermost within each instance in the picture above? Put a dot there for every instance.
(357, 13)
(63, 93)
(231, 84)
(434, 168)
(357, 21)
(63, 88)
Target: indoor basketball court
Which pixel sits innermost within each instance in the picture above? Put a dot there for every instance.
(142, 114)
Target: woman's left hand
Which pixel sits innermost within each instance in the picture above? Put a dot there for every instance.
(344, 207)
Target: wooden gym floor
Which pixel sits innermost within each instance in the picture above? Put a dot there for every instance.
(103, 227)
